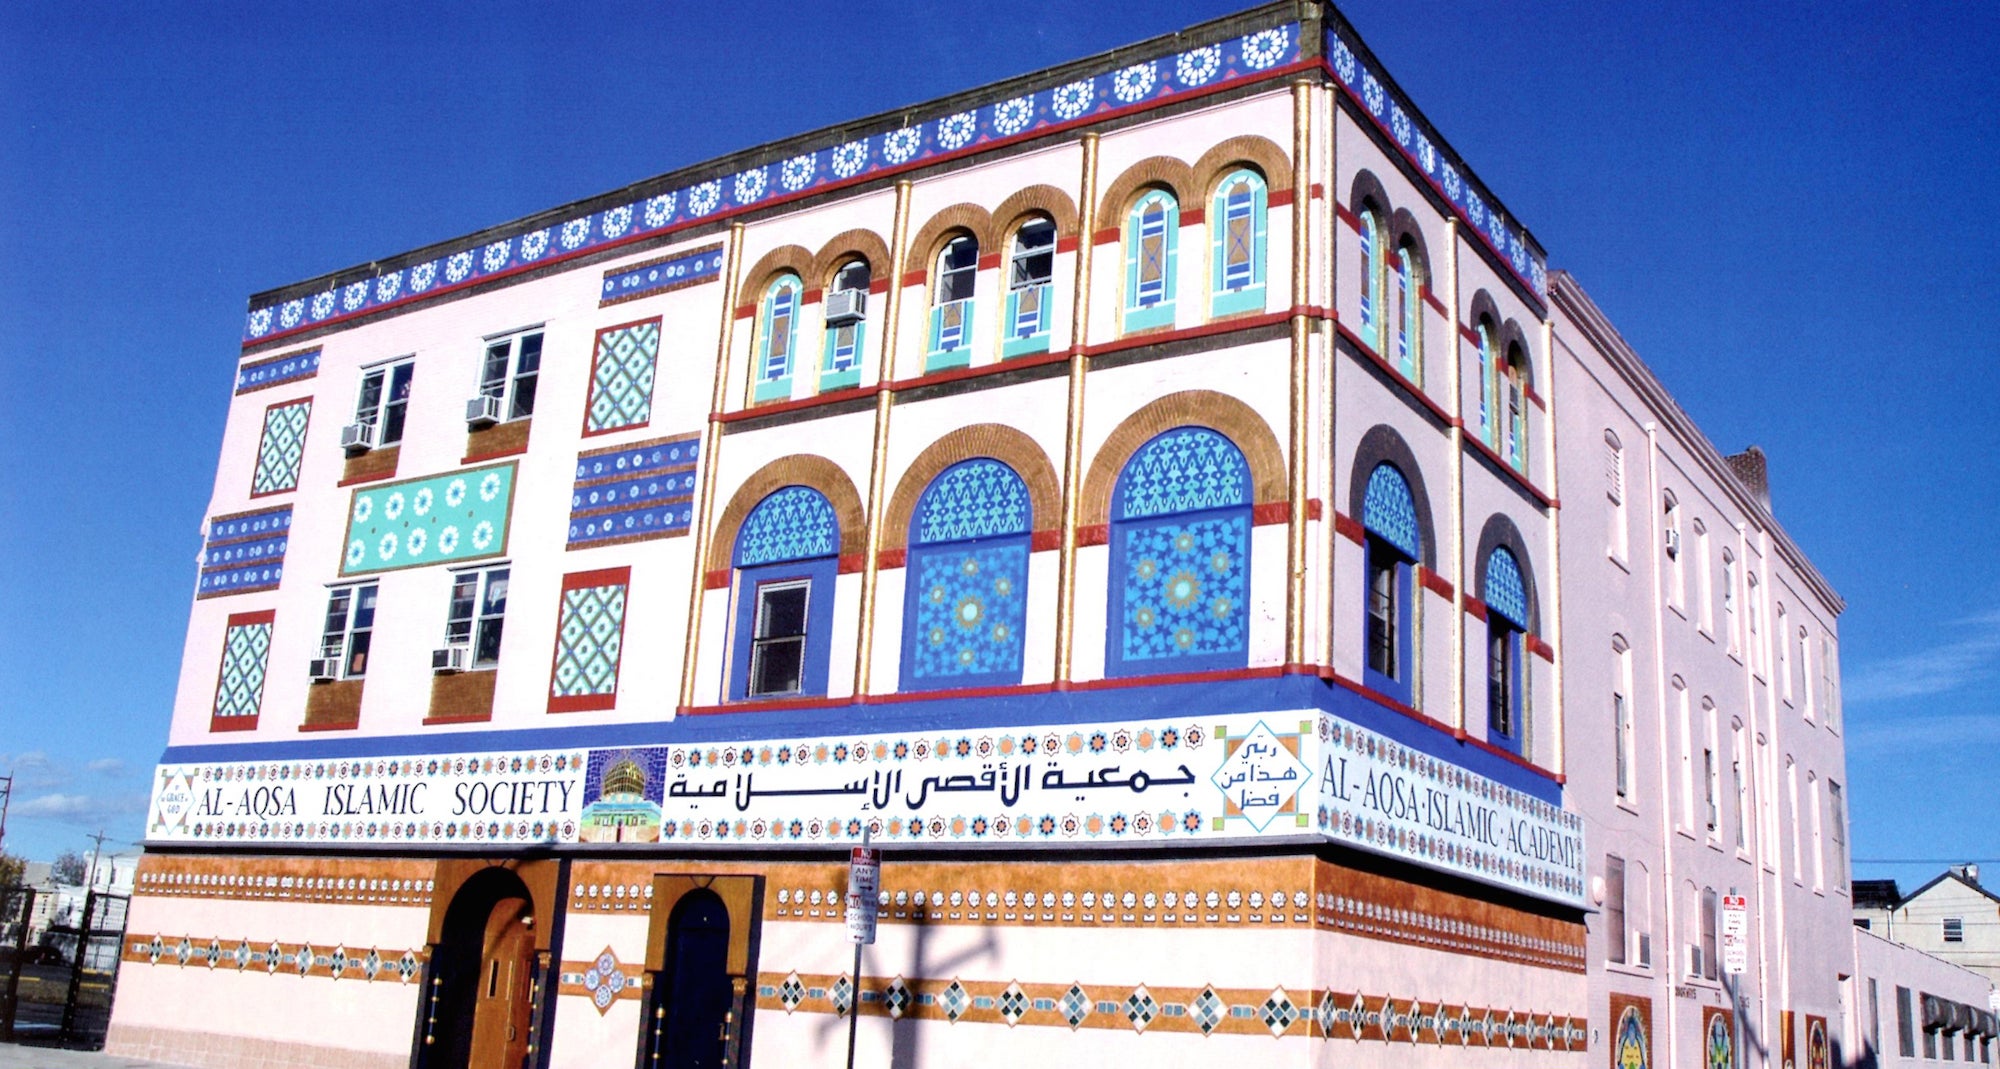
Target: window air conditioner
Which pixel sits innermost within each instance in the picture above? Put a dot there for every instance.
(1694, 960)
(449, 659)
(1937, 1012)
(324, 669)
(846, 306)
(482, 411)
(357, 437)
(1673, 542)
(1645, 950)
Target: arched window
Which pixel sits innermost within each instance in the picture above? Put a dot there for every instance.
(1236, 273)
(1488, 383)
(777, 336)
(786, 557)
(1370, 227)
(1513, 389)
(1152, 231)
(1031, 270)
(846, 325)
(951, 303)
(1407, 313)
(967, 579)
(1506, 597)
(1180, 557)
(1393, 544)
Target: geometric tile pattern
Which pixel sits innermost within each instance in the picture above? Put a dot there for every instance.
(968, 604)
(972, 499)
(1389, 512)
(272, 956)
(281, 448)
(1206, 1010)
(351, 881)
(1186, 588)
(659, 276)
(891, 147)
(1505, 593)
(246, 650)
(603, 980)
(1183, 470)
(793, 523)
(438, 519)
(277, 370)
(244, 552)
(621, 377)
(634, 492)
(589, 629)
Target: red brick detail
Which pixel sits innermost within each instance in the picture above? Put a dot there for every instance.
(1066, 244)
(1270, 512)
(1042, 541)
(1280, 198)
(811, 296)
(1107, 236)
(1093, 534)
(1194, 216)
(715, 580)
(1475, 608)
(1315, 508)
(1435, 583)
(917, 277)
(745, 311)
(989, 262)
(892, 558)
(852, 562)
(1349, 528)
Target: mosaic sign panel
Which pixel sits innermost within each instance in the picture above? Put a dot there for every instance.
(433, 520)
(277, 370)
(281, 449)
(244, 552)
(1232, 777)
(629, 493)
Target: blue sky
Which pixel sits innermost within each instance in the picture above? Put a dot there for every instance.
(1783, 207)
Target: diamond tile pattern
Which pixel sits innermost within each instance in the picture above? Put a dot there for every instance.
(621, 378)
(843, 995)
(588, 638)
(897, 998)
(1389, 512)
(1183, 470)
(1141, 1008)
(1075, 1005)
(1013, 1004)
(792, 992)
(1207, 1010)
(794, 523)
(955, 1001)
(282, 448)
(1278, 1013)
(246, 651)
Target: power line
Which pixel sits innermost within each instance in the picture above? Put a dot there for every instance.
(1926, 861)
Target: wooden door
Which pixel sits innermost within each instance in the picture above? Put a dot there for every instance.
(503, 1004)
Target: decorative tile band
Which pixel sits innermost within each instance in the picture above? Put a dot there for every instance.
(1207, 1010)
(635, 492)
(434, 520)
(274, 957)
(334, 881)
(659, 276)
(1418, 141)
(244, 552)
(277, 370)
(603, 980)
(1139, 85)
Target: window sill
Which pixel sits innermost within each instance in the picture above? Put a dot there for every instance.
(1623, 969)
(1678, 610)
(1618, 562)
(1627, 805)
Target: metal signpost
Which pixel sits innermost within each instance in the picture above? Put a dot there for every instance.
(1735, 962)
(864, 883)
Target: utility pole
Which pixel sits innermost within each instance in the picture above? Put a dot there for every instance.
(96, 847)
(6, 797)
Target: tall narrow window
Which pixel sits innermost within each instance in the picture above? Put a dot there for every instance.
(1031, 271)
(1709, 917)
(1505, 594)
(1711, 780)
(512, 368)
(785, 561)
(1513, 390)
(477, 614)
(1701, 560)
(952, 284)
(1792, 799)
(1818, 831)
(1614, 491)
(966, 580)
(1729, 601)
(1670, 525)
(777, 338)
(1393, 546)
(1152, 230)
(1752, 640)
(1686, 719)
(778, 643)
(1369, 278)
(1621, 718)
(385, 400)
(1836, 804)
(350, 629)
(1489, 405)
(1616, 936)
(1180, 557)
(1781, 638)
(1738, 753)
(1407, 308)
(1906, 1036)
(1829, 682)
(1806, 671)
(846, 326)
(1236, 275)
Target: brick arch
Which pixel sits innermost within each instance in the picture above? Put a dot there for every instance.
(793, 258)
(799, 469)
(1201, 408)
(1367, 191)
(1034, 200)
(845, 246)
(971, 218)
(1165, 172)
(1262, 155)
(1002, 443)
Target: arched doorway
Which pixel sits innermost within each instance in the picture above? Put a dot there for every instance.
(484, 967)
(701, 962)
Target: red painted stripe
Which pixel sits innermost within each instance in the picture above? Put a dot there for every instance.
(1270, 512)
(578, 703)
(1093, 534)
(1193, 217)
(600, 577)
(1280, 198)
(248, 619)
(1437, 584)
(892, 558)
(851, 563)
(1349, 528)
(1043, 541)
(715, 580)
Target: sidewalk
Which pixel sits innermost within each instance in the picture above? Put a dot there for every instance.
(13, 1056)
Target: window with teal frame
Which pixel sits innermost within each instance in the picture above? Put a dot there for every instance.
(840, 364)
(1488, 383)
(777, 337)
(1152, 233)
(1238, 225)
(951, 304)
(1030, 271)
(1408, 353)
(1371, 278)
(1514, 389)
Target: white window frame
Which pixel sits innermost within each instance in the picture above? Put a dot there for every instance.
(378, 414)
(339, 644)
(470, 629)
(515, 384)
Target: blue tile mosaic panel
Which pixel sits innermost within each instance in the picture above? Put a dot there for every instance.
(1183, 470)
(589, 633)
(793, 523)
(621, 377)
(1389, 512)
(975, 498)
(244, 552)
(1139, 85)
(1505, 591)
(968, 604)
(1186, 588)
(246, 649)
(634, 492)
(438, 519)
(282, 448)
(1448, 174)
(659, 276)
(276, 371)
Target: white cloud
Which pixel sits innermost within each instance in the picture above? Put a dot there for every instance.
(83, 808)
(34, 770)
(107, 766)
(1971, 655)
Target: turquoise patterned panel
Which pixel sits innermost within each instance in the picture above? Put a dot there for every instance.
(1186, 588)
(966, 611)
(245, 652)
(282, 448)
(974, 498)
(434, 520)
(1506, 594)
(1183, 470)
(588, 637)
(1390, 513)
(794, 523)
(621, 381)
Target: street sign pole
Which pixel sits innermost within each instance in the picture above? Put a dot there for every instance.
(1735, 962)
(864, 882)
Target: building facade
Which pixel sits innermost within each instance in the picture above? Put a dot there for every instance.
(1917, 1008)
(1128, 494)
(1953, 917)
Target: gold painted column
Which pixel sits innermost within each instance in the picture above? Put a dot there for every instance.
(1554, 637)
(1072, 486)
(1301, 412)
(878, 462)
(1456, 381)
(705, 493)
